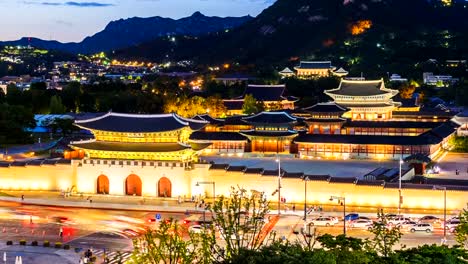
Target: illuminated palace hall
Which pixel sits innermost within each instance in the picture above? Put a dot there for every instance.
(361, 122)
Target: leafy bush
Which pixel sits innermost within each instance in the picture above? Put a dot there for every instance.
(58, 244)
(34, 243)
(46, 244)
(66, 247)
(22, 242)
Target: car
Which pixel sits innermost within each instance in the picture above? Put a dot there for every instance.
(360, 223)
(351, 217)
(429, 219)
(322, 221)
(407, 224)
(196, 229)
(398, 220)
(421, 227)
(363, 218)
(452, 224)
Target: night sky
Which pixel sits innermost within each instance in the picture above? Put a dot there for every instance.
(71, 21)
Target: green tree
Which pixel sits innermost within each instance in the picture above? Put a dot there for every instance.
(432, 254)
(70, 96)
(251, 106)
(240, 219)
(166, 244)
(56, 106)
(385, 236)
(462, 229)
(215, 106)
(14, 120)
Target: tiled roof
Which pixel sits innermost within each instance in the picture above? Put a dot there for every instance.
(235, 120)
(359, 88)
(133, 123)
(130, 147)
(317, 177)
(270, 118)
(330, 107)
(219, 166)
(217, 136)
(265, 92)
(235, 104)
(254, 171)
(208, 118)
(236, 168)
(315, 65)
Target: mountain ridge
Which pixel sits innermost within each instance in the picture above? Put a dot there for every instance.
(127, 32)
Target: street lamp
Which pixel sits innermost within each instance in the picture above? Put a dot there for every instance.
(436, 187)
(306, 179)
(214, 187)
(279, 184)
(341, 199)
(400, 198)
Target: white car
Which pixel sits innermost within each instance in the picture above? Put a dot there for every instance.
(408, 224)
(196, 229)
(398, 220)
(421, 227)
(452, 224)
(361, 223)
(322, 221)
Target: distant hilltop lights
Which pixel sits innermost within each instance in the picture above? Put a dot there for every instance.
(360, 27)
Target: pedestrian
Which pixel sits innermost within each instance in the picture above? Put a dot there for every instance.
(457, 172)
(61, 232)
(294, 208)
(22, 197)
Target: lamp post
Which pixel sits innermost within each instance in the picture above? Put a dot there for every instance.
(214, 187)
(279, 184)
(306, 179)
(436, 187)
(341, 199)
(400, 198)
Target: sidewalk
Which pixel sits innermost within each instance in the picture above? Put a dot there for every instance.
(39, 255)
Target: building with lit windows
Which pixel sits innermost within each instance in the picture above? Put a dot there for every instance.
(313, 69)
(366, 100)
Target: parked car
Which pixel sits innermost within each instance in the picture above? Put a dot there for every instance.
(398, 220)
(408, 224)
(452, 224)
(351, 217)
(322, 221)
(429, 219)
(361, 223)
(363, 218)
(421, 228)
(196, 229)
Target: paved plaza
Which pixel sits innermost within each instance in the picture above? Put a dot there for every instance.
(448, 164)
(335, 168)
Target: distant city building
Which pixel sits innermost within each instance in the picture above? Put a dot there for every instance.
(311, 69)
(230, 79)
(340, 72)
(286, 72)
(438, 80)
(397, 78)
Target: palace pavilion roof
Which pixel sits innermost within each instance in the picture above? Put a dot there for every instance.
(326, 120)
(361, 88)
(130, 147)
(209, 119)
(217, 136)
(315, 65)
(270, 118)
(329, 107)
(136, 123)
(267, 93)
(233, 104)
